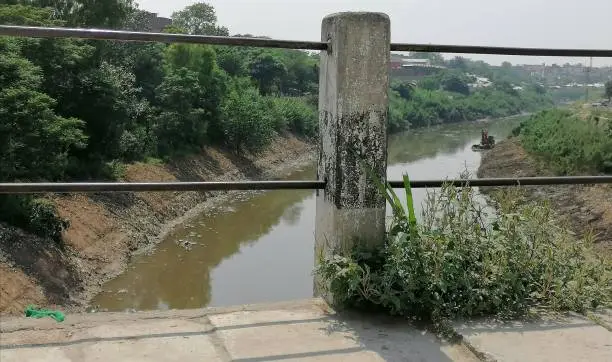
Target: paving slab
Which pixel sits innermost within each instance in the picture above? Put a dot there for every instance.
(307, 335)
(570, 338)
(294, 331)
(603, 317)
(132, 340)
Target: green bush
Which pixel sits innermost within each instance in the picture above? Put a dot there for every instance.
(36, 215)
(429, 107)
(45, 221)
(460, 262)
(114, 170)
(247, 122)
(568, 143)
(295, 115)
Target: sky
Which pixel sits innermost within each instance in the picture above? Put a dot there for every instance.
(520, 23)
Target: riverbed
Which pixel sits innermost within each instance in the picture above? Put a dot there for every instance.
(261, 249)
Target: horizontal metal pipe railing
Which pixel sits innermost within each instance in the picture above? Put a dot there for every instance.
(521, 181)
(45, 187)
(476, 49)
(103, 34)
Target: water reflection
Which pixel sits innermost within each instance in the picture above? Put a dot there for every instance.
(439, 153)
(174, 277)
(445, 140)
(261, 249)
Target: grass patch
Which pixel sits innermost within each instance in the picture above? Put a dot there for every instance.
(458, 261)
(569, 143)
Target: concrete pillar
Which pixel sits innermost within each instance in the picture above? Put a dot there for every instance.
(353, 111)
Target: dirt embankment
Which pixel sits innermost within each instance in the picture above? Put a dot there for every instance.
(585, 208)
(106, 229)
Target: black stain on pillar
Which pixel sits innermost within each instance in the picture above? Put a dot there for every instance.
(355, 140)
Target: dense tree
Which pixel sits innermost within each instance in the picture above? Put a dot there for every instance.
(506, 87)
(248, 123)
(429, 107)
(199, 19)
(190, 97)
(302, 73)
(457, 83)
(268, 69)
(404, 89)
(608, 91)
(115, 109)
(93, 13)
(34, 141)
(76, 109)
(232, 60)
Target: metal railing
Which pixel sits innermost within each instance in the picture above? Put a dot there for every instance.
(102, 34)
(87, 187)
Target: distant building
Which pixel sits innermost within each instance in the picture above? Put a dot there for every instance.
(157, 23)
(407, 68)
(480, 82)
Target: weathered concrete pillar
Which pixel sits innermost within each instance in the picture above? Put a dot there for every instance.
(353, 111)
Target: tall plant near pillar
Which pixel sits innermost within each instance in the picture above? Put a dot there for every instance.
(454, 264)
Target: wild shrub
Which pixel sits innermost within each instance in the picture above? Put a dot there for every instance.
(569, 144)
(459, 261)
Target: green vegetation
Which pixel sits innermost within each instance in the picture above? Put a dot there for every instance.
(80, 110)
(608, 91)
(450, 96)
(459, 262)
(569, 143)
(447, 98)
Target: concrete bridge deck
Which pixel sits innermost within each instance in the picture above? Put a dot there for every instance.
(295, 331)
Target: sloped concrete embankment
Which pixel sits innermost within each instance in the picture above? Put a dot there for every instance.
(106, 229)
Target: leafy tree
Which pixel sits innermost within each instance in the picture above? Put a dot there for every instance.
(404, 89)
(608, 92)
(506, 87)
(302, 73)
(192, 93)
(74, 109)
(92, 13)
(430, 83)
(111, 105)
(199, 19)
(247, 121)
(182, 123)
(233, 60)
(34, 141)
(296, 116)
(456, 83)
(268, 70)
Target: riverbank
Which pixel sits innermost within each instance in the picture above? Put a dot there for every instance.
(107, 229)
(585, 209)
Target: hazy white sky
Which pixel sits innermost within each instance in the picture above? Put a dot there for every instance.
(525, 23)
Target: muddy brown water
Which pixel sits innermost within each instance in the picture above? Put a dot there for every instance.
(261, 249)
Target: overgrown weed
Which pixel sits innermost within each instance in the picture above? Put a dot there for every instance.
(459, 261)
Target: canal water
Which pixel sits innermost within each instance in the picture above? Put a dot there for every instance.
(261, 249)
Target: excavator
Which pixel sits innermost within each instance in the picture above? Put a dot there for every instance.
(486, 142)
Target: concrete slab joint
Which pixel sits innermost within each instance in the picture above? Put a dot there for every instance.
(353, 111)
